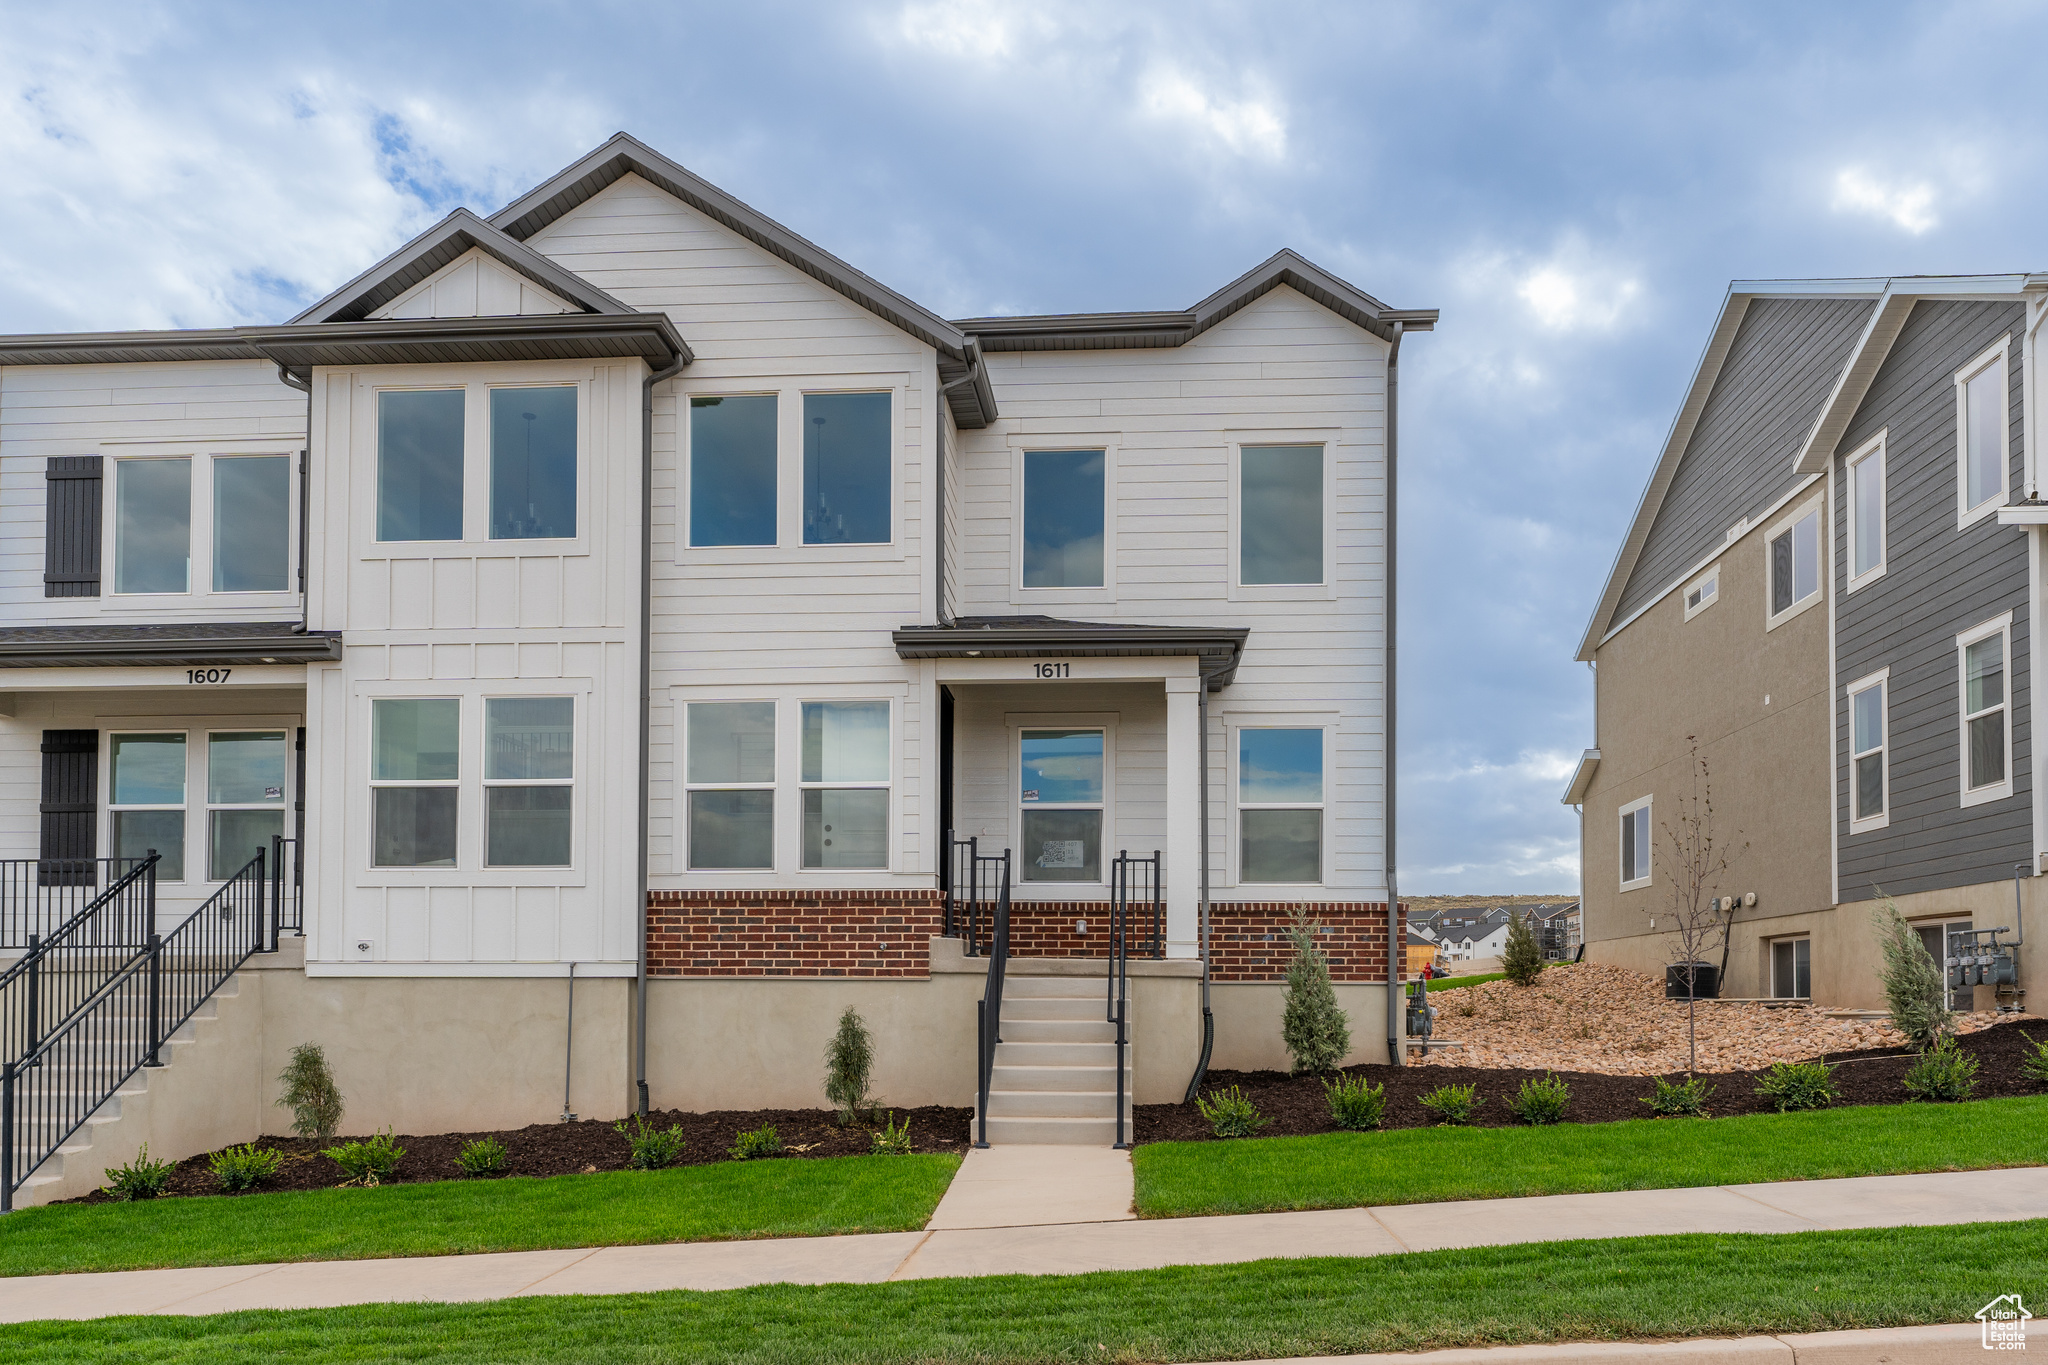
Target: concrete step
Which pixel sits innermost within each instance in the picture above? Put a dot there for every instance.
(1064, 1078)
(1056, 1054)
(1055, 1007)
(1057, 1031)
(1064, 1132)
(1053, 987)
(1058, 1104)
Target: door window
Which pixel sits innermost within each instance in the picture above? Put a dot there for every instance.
(1061, 795)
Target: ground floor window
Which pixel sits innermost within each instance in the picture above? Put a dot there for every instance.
(529, 781)
(729, 773)
(146, 798)
(1792, 969)
(1061, 800)
(245, 783)
(415, 770)
(845, 784)
(1280, 804)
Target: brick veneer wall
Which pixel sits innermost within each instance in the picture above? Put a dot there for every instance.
(1248, 939)
(791, 933)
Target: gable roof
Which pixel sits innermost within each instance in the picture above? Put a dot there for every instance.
(440, 245)
(1893, 299)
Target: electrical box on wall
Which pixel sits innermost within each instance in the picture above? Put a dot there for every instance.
(363, 950)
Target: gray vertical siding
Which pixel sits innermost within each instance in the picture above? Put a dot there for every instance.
(1780, 369)
(1938, 582)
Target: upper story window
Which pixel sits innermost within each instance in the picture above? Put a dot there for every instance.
(729, 769)
(1065, 506)
(237, 506)
(1280, 804)
(252, 523)
(1703, 592)
(422, 449)
(1793, 550)
(1280, 515)
(1060, 792)
(732, 470)
(1981, 440)
(1986, 735)
(845, 775)
(153, 525)
(848, 473)
(1866, 513)
(419, 464)
(1868, 782)
(533, 463)
(1635, 844)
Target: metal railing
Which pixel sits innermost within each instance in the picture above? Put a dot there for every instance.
(1133, 884)
(60, 974)
(48, 1093)
(988, 1014)
(39, 895)
(287, 891)
(972, 878)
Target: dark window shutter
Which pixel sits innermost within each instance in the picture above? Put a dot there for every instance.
(70, 809)
(71, 527)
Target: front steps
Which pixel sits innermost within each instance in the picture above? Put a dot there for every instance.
(1054, 1081)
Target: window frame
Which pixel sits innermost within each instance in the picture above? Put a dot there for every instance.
(1870, 454)
(1649, 873)
(1880, 680)
(894, 833)
(1334, 446)
(1997, 355)
(1708, 581)
(200, 549)
(896, 540)
(686, 465)
(1105, 854)
(1786, 525)
(283, 805)
(184, 808)
(374, 782)
(1238, 805)
(489, 471)
(1771, 946)
(2000, 625)
(776, 851)
(487, 782)
(1021, 448)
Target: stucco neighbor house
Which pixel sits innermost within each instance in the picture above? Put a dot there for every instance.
(1832, 586)
(620, 600)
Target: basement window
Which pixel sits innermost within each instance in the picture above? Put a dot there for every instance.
(1792, 969)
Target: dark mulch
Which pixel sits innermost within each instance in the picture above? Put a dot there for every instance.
(1296, 1105)
(582, 1147)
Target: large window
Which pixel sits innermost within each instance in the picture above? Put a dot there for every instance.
(1794, 549)
(729, 768)
(146, 797)
(252, 519)
(1986, 736)
(529, 773)
(1064, 510)
(1635, 844)
(1866, 514)
(1981, 436)
(415, 764)
(1792, 969)
(419, 464)
(1280, 805)
(1060, 791)
(1867, 747)
(1280, 515)
(845, 775)
(847, 469)
(732, 470)
(153, 525)
(533, 463)
(245, 784)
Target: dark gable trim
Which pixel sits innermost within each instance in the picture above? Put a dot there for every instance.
(1217, 648)
(193, 646)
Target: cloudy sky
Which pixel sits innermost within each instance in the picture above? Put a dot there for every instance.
(1573, 185)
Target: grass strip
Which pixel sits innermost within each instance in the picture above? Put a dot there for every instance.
(1451, 983)
(1678, 1286)
(804, 1198)
(1427, 1165)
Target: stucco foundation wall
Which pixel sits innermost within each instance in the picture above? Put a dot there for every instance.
(1248, 1018)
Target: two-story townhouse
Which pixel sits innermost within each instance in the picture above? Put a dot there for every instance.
(1829, 593)
(618, 604)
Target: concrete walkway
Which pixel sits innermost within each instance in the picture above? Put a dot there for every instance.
(1111, 1240)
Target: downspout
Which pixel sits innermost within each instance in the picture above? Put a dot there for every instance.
(1395, 936)
(1202, 847)
(305, 386)
(646, 687)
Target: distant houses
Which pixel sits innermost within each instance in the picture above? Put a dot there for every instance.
(1467, 933)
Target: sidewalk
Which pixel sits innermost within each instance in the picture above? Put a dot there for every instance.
(1104, 1237)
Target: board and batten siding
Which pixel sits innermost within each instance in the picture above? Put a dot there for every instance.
(1782, 365)
(196, 407)
(1281, 370)
(800, 621)
(1938, 582)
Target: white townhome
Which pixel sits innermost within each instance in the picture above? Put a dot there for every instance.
(621, 600)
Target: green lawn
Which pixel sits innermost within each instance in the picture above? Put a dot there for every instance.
(792, 1198)
(1695, 1285)
(1452, 983)
(1424, 1165)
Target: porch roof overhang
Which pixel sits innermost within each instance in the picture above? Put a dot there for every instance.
(207, 645)
(1216, 649)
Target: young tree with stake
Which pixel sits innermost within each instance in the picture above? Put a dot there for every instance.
(1699, 859)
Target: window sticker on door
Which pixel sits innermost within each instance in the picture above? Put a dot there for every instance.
(273, 793)
(1060, 853)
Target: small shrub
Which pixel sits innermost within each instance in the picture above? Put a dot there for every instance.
(1541, 1101)
(238, 1168)
(1453, 1105)
(310, 1093)
(849, 1060)
(1944, 1072)
(1312, 1024)
(653, 1148)
(891, 1140)
(367, 1162)
(1521, 961)
(758, 1143)
(1356, 1104)
(485, 1156)
(1230, 1113)
(2035, 1067)
(1915, 987)
(1798, 1085)
(1684, 1099)
(1467, 1010)
(140, 1178)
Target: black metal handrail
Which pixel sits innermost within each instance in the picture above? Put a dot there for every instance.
(287, 891)
(61, 973)
(971, 881)
(1132, 882)
(988, 1015)
(49, 1093)
(40, 895)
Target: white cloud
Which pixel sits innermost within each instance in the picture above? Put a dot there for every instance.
(1570, 295)
(1905, 204)
(1252, 127)
(975, 30)
(1530, 766)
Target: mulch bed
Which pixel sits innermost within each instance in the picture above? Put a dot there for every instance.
(582, 1147)
(1296, 1105)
